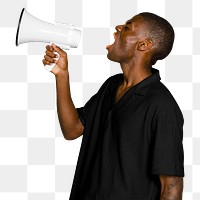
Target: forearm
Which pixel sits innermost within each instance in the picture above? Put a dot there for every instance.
(67, 113)
(172, 189)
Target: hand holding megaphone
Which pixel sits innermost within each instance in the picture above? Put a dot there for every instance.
(31, 29)
(56, 59)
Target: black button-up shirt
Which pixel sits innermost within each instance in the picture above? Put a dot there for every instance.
(128, 144)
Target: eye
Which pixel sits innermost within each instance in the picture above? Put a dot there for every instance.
(126, 28)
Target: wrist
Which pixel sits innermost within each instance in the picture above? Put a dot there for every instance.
(59, 72)
(62, 75)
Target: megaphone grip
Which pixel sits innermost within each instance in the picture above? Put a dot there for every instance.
(51, 66)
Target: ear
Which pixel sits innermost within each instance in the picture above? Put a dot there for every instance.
(145, 45)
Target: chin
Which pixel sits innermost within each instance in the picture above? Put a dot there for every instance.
(112, 57)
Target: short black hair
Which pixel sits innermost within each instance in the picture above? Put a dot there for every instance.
(161, 32)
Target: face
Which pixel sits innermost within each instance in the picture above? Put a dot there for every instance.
(126, 37)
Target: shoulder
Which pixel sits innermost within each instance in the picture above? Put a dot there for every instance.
(161, 97)
(163, 101)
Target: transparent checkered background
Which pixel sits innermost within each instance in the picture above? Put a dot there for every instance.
(36, 162)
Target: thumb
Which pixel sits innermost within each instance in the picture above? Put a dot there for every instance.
(59, 50)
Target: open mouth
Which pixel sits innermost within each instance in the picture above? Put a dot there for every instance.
(115, 36)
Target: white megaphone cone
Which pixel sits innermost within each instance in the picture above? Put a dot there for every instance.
(31, 29)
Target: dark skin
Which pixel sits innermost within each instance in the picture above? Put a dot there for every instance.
(133, 50)
(171, 187)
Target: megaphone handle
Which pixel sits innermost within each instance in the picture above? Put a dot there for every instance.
(50, 67)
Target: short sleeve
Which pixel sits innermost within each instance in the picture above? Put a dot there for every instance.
(83, 111)
(168, 152)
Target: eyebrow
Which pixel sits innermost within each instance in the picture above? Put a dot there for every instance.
(128, 22)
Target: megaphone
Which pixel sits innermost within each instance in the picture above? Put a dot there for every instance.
(31, 29)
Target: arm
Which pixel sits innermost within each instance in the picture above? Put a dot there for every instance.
(171, 187)
(70, 123)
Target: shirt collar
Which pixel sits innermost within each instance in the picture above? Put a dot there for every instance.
(142, 87)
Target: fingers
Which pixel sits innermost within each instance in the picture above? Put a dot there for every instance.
(45, 62)
(50, 56)
(50, 51)
(59, 50)
(50, 48)
(50, 59)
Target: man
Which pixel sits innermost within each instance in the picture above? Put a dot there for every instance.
(132, 127)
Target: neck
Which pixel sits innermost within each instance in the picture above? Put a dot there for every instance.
(134, 73)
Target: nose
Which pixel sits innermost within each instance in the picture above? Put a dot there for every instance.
(119, 27)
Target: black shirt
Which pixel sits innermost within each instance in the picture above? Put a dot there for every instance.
(128, 144)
